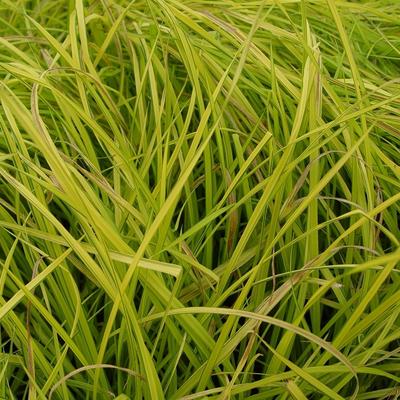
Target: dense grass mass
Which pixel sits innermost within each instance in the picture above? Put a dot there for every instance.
(199, 199)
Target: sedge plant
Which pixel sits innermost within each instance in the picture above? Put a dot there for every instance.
(199, 199)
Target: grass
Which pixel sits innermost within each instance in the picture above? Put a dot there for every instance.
(199, 200)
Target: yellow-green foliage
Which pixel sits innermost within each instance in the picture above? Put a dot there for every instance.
(199, 199)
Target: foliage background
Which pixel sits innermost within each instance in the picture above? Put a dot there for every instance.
(199, 199)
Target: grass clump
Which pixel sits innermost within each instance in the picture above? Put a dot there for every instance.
(199, 199)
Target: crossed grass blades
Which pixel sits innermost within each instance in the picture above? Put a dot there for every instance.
(199, 199)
